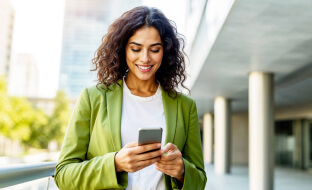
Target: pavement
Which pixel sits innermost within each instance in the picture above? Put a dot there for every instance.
(284, 179)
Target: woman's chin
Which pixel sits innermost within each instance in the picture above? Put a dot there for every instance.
(145, 77)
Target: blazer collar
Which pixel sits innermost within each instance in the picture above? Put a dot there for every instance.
(114, 110)
(170, 109)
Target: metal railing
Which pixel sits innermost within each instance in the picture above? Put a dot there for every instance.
(13, 175)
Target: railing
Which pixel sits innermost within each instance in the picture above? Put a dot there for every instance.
(13, 175)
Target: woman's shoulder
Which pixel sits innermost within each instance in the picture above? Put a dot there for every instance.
(185, 99)
(100, 89)
(95, 89)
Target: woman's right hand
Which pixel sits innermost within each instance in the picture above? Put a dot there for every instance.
(132, 157)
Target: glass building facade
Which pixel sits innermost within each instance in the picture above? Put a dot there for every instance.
(85, 23)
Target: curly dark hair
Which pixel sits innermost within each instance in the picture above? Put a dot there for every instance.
(110, 58)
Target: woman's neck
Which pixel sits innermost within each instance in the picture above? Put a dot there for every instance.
(143, 88)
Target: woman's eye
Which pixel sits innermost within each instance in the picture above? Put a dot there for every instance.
(155, 51)
(135, 50)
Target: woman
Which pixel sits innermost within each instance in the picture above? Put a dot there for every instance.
(139, 64)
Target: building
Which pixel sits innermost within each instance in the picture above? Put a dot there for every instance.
(6, 34)
(24, 76)
(251, 66)
(85, 23)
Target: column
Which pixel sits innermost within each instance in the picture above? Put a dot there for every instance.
(306, 144)
(222, 156)
(208, 137)
(261, 131)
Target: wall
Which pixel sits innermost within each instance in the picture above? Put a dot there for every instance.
(240, 134)
(239, 145)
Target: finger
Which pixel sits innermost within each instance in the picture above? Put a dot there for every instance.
(170, 157)
(173, 171)
(145, 163)
(170, 162)
(169, 147)
(144, 148)
(131, 144)
(166, 166)
(150, 155)
(165, 171)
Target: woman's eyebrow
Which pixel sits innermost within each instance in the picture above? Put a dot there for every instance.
(142, 45)
(156, 44)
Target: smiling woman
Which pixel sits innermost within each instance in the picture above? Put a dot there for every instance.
(110, 61)
(144, 53)
(139, 65)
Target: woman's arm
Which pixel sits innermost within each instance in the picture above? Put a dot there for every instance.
(73, 171)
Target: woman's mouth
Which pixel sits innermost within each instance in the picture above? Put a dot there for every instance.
(144, 68)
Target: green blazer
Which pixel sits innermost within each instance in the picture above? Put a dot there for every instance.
(93, 138)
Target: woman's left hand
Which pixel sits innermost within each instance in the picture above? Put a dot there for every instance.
(171, 163)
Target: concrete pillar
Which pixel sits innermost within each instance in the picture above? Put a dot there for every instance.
(261, 131)
(306, 144)
(208, 138)
(298, 151)
(222, 156)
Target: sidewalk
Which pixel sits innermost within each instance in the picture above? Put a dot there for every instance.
(285, 179)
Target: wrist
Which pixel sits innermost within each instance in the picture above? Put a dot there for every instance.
(117, 168)
(180, 178)
(178, 183)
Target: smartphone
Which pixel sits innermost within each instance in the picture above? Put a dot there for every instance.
(149, 136)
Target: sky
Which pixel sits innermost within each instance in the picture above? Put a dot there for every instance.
(38, 28)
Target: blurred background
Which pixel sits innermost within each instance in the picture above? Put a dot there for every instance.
(249, 66)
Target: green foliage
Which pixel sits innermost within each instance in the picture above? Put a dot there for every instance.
(40, 131)
(21, 114)
(5, 108)
(60, 117)
(33, 128)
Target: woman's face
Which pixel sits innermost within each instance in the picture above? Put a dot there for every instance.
(144, 53)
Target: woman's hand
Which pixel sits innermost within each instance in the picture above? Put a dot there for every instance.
(171, 163)
(132, 158)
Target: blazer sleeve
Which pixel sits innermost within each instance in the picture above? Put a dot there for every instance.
(194, 169)
(73, 170)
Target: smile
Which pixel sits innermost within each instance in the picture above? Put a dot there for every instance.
(144, 68)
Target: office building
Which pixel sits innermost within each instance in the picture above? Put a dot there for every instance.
(250, 71)
(24, 76)
(6, 33)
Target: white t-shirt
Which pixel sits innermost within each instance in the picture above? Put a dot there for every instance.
(142, 112)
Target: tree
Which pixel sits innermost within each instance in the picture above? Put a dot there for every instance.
(5, 120)
(30, 126)
(59, 120)
(21, 113)
(39, 131)
(20, 121)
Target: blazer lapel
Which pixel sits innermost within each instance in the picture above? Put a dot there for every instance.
(114, 110)
(170, 110)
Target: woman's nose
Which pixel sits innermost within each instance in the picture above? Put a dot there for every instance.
(145, 57)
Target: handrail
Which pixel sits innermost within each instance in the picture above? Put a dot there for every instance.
(13, 175)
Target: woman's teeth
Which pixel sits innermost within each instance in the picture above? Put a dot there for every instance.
(141, 67)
